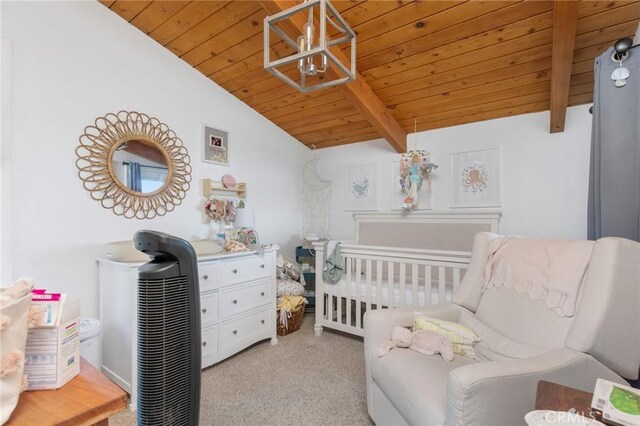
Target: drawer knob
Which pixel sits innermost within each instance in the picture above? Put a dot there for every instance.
(235, 271)
(262, 293)
(204, 310)
(205, 277)
(262, 266)
(235, 331)
(262, 321)
(235, 301)
(204, 343)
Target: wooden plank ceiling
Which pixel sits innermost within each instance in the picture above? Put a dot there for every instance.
(432, 64)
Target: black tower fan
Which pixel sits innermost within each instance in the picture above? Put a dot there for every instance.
(169, 357)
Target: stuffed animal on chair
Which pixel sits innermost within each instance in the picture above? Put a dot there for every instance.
(423, 341)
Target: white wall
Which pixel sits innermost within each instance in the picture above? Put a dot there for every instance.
(75, 61)
(544, 176)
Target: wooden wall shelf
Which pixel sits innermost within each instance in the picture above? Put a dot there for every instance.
(216, 187)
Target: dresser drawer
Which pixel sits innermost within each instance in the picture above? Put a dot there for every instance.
(209, 340)
(208, 275)
(243, 328)
(208, 307)
(238, 299)
(246, 268)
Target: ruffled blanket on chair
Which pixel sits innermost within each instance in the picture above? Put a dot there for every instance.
(547, 270)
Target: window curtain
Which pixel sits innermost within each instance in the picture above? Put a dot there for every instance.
(614, 181)
(134, 176)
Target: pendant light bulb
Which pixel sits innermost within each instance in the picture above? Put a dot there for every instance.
(308, 30)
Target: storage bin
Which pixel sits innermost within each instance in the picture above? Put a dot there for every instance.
(91, 341)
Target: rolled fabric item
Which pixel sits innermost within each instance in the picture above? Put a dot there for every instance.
(14, 305)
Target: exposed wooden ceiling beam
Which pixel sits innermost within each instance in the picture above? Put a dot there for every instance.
(565, 20)
(357, 92)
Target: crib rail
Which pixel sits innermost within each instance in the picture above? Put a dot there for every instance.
(381, 278)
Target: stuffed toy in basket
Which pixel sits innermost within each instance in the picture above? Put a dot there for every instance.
(289, 314)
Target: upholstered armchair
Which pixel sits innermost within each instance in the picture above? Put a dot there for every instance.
(524, 341)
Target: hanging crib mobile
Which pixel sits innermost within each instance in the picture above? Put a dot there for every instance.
(415, 167)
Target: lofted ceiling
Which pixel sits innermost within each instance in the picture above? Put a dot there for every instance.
(422, 64)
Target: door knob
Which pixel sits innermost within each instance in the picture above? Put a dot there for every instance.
(205, 277)
(204, 310)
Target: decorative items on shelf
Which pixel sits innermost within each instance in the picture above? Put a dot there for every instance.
(220, 210)
(223, 198)
(415, 167)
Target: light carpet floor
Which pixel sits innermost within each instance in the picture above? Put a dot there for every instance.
(303, 380)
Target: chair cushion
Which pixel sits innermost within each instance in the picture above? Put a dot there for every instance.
(416, 384)
(495, 346)
(453, 331)
(519, 318)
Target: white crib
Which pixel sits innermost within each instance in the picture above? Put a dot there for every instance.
(395, 264)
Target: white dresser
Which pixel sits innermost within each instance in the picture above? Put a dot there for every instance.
(237, 301)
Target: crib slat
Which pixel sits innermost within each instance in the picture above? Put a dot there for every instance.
(442, 284)
(368, 282)
(414, 286)
(403, 285)
(428, 288)
(379, 284)
(456, 278)
(358, 291)
(345, 287)
(390, 285)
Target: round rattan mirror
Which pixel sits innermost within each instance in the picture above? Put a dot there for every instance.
(133, 164)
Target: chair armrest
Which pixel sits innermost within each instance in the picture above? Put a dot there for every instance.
(503, 392)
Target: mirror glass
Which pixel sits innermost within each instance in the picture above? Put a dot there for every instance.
(140, 166)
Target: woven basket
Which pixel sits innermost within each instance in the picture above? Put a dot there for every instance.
(293, 322)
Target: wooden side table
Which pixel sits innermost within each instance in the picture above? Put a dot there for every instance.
(552, 396)
(89, 398)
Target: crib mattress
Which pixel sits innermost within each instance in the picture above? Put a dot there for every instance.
(339, 290)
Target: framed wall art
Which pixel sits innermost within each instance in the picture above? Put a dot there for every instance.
(397, 196)
(360, 188)
(215, 146)
(475, 178)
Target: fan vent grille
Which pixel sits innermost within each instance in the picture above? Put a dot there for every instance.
(164, 345)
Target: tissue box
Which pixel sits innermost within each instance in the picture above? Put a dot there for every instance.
(52, 354)
(616, 404)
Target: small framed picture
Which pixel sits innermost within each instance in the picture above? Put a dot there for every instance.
(475, 178)
(361, 188)
(215, 147)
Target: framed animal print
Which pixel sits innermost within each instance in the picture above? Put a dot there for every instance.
(361, 188)
(475, 178)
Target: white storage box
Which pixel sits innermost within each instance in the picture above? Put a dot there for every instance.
(52, 354)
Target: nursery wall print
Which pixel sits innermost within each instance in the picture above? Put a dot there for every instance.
(361, 188)
(475, 178)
